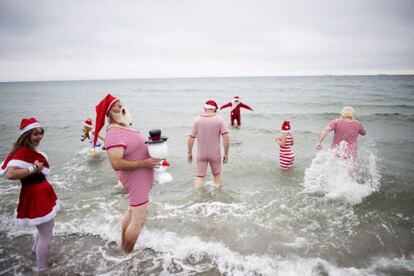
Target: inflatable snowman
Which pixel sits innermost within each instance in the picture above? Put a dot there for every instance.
(157, 148)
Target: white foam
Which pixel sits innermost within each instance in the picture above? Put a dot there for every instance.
(196, 211)
(342, 179)
(194, 254)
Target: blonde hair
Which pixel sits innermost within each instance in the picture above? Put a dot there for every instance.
(348, 112)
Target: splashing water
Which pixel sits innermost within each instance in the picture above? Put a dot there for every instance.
(341, 178)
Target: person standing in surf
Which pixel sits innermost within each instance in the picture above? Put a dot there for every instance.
(285, 141)
(38, 204)
(208, 128)
(129, 157)
(346, 130)
(235, 113)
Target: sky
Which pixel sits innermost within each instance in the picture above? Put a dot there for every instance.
(80, 39)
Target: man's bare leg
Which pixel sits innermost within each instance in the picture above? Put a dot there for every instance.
(217, 180)
(198, 184)
(124, 225)
(138, 218)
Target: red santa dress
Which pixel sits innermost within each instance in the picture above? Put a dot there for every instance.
(38, 202)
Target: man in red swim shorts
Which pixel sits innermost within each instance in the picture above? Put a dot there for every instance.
(208, 128)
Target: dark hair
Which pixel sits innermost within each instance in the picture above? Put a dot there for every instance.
(24, 140)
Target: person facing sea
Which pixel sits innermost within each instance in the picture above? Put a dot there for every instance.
(129, 157)
(208, 128)
(285, 141)
(38, 204)
(346, 129)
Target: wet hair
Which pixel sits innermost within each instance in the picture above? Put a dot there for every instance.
(24, 140)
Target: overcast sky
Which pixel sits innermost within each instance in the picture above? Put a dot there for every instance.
(61, 40)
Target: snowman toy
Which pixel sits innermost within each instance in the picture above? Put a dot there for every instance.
(157, 148)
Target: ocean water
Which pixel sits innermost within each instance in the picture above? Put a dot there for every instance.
(313, 220)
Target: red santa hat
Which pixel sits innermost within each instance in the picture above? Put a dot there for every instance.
(285, 126)
(88, 122)
(28, 123)
(102, 110)
(210, 104)
(236, 97)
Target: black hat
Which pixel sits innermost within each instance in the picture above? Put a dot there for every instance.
(155, 137)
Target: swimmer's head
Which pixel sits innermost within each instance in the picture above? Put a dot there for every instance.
(348, 112)
(210, 105)
(120, 115)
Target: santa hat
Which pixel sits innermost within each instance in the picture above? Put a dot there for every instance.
(285, 126)
(102, 110)
(210, 104)
(236, 97)
(28, 123)
(88, 122)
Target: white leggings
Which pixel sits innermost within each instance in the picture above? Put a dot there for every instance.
(42, 243)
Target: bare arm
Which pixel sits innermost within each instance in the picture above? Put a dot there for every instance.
(118, 163)
(190, 144)
(226, 145)
(322, 136)
(362, 131)
(14, 173)
(281, 140)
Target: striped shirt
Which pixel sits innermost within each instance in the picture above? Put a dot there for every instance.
(137, 183)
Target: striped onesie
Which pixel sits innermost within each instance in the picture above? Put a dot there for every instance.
(286, 155)
(137, 183)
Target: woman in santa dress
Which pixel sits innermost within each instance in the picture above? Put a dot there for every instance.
(38, 204)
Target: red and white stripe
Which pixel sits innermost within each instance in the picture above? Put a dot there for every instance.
(286, 155)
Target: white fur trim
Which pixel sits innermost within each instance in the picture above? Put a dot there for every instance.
(2, 172)
(209, 106)
(110, 105)
(29, 127)
(40, 220)
(234, 104)
(44, 155)
(22, 165)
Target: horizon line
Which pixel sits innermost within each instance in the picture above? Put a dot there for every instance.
(216, 77)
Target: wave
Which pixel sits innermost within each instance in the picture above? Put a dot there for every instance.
(342, 179)
(165, 253)
(395, 115)
(326, 116)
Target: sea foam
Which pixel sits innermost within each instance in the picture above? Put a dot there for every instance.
(341, 178)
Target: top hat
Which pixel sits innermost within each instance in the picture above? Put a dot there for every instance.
(155, 137)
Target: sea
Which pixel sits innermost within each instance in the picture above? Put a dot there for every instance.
(315, 219)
